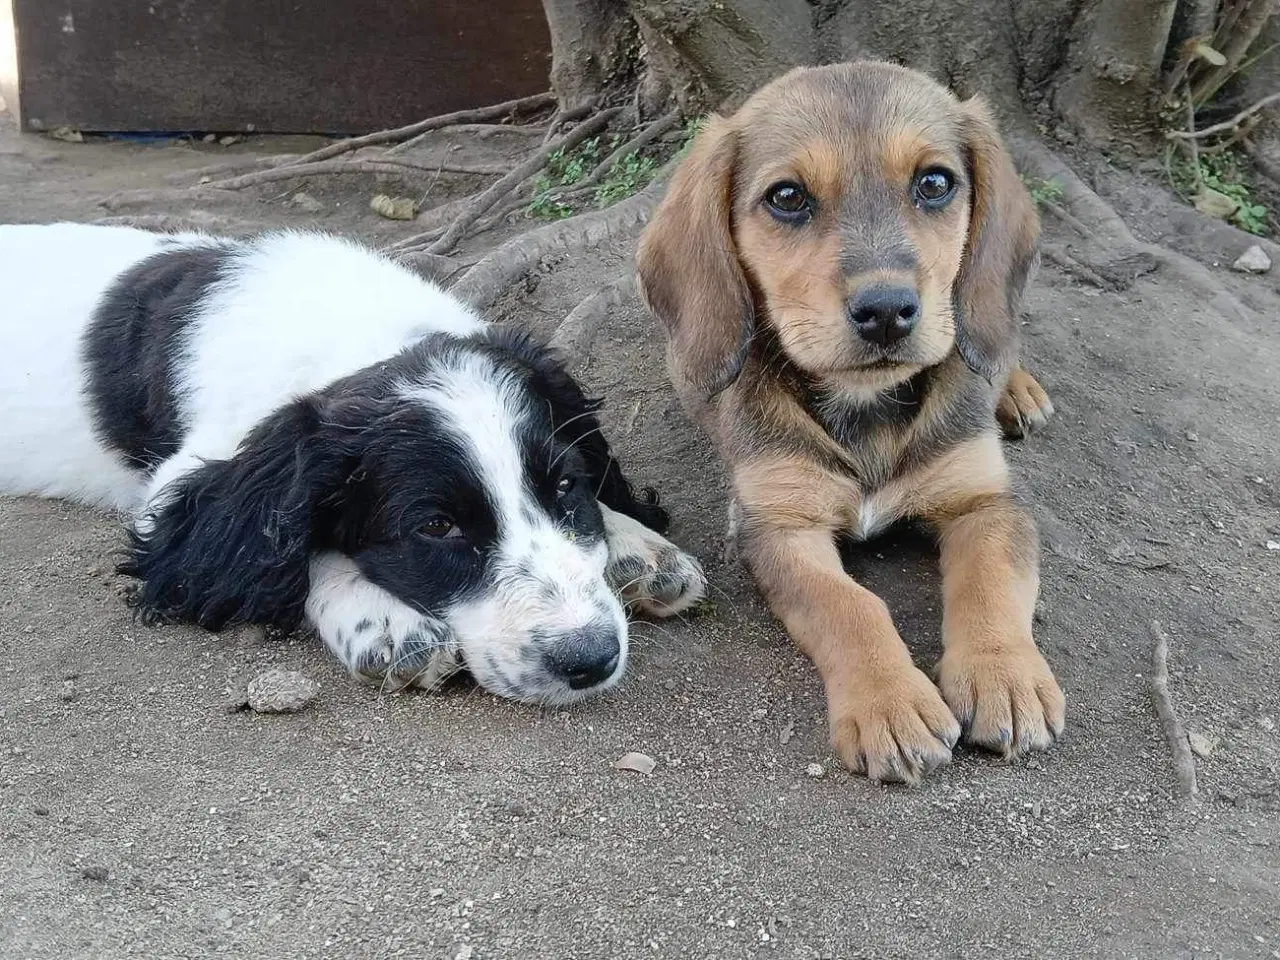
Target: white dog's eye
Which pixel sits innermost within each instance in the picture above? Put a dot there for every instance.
(565, 485)
(440, 528)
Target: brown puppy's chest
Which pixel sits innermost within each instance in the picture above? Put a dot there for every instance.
(883, 446)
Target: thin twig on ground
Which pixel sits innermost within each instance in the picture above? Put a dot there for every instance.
(1062, 258)
(1225, 125)
(1066, 218)
(486, 200)
(1184, 764)
(492, 112)
(338, 167)
(1190, 143)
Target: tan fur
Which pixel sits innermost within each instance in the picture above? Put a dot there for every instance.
(826, 434)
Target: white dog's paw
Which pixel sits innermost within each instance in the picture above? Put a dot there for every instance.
(650, 573)
(378, 638)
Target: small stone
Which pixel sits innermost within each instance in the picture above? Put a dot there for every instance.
(1192, 436)
(68, 691)
(1214, 203)
(1037, 809)
(788, 731)
(394, 208)
(815, 771)
(101, 874)
(636, 762)
(67, 134)
(1253, 260)
(1202, 745)
(230, 139)
(306, 202)
(1273, 544)
(40, 811)
(209, 137)
(281, 691)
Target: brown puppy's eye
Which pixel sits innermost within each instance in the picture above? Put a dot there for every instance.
(440, 527)
(789, 202)
(933, 189)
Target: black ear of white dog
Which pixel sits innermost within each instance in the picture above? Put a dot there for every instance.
(231, 541)
(575, 423)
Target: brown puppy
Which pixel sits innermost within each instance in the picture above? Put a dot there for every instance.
(838, 268)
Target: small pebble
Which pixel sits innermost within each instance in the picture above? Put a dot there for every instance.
(281, 691)
(1192, 436)
(95, 873)
(1253, 260)
(816, 771)
(68, 691)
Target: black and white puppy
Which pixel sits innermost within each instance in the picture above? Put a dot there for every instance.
(305, 430)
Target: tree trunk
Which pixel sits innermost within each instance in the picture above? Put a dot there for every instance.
(593, 47)
(1117, 83)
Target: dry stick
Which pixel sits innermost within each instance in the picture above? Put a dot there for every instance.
(486, 200)
(335, 167)
(1069, 263)
(492, 112)
(1184, 765)
(1225, 124)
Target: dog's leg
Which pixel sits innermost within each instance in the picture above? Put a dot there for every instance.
(1024, 406)
(991, 674)
(887, 720)
(651, 574)
(377, 638)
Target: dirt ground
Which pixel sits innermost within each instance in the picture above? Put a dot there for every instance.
(138, 817)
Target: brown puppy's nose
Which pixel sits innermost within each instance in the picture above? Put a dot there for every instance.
(884, 314)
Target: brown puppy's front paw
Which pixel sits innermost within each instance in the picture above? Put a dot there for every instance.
(1024, 407)
(1005, 698)
(894, 727)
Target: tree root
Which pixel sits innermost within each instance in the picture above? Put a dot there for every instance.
(400, 134)
(326, 168)
(1094, 217)
(641, 140)
(516, 177)
(577, 332)
(1184, 765)
(502, 268)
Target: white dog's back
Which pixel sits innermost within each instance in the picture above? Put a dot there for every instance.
(51, 278)
(300, 311)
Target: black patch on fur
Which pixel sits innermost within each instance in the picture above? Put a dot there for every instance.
(569, 419)
(849, 422)
(133, 350)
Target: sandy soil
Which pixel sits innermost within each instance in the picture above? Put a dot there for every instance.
(138, 817)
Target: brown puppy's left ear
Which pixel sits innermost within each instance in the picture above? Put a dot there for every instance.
(999, 252)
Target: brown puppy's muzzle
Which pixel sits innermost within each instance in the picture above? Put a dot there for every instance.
(882, 314)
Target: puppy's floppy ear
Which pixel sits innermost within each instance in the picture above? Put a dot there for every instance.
(575, 424)
(231, 541)
(999, 252)
(688, 266)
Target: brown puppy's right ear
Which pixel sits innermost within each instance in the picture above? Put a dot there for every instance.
(688, 266)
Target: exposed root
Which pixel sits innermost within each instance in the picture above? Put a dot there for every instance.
(400, 134)
(486, 200)
(1184, 765)
(1062, 258)
(577, 332)
(641, 140)
(336, 167)
(435, 268)
(501, 269)
(1093, 215)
